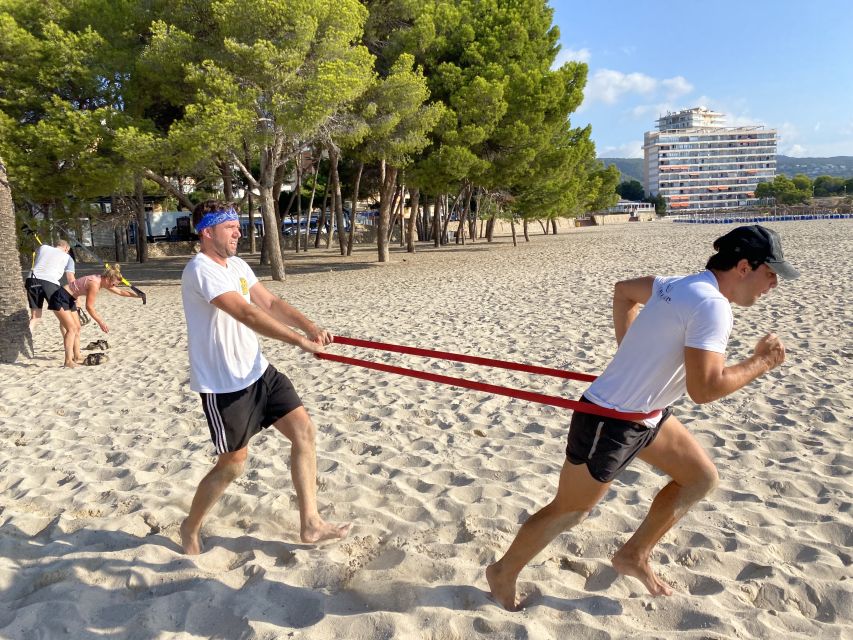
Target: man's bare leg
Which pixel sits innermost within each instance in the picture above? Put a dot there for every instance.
(678, 454)
(228, 468)
(577, 494)
(35, 318)
(302, 433)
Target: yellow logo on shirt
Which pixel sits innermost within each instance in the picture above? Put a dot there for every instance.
(244, 286)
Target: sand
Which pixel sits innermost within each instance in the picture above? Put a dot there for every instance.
(98, 465)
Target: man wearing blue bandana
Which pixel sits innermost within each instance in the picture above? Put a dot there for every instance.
(225, 308)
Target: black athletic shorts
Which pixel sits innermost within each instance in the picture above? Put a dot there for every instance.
(607, 445)
(62, 300)
(234, 418)
(39, 291)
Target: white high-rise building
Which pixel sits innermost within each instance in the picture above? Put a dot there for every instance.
(696, 163)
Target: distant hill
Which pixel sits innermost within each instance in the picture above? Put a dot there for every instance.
(838, 166)
(631, 168)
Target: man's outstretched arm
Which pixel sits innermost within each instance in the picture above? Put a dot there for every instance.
(262, 322)
(709, 379)
(628, 297)
(287, 313)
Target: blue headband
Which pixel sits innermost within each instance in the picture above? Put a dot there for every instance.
(215, 217)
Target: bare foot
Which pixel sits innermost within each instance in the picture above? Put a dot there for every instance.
(189, 541)
(501, 587)
(70, 365)
(642, 571)
(324, 531)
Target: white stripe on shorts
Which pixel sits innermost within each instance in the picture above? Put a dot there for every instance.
(215, 418)
(595, 440)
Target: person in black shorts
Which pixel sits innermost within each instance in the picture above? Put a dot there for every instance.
(225, 307)
(49, 265)
(675, 345)
(607, 445)
(38, 293)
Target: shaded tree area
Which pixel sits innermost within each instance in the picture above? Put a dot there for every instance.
(15, 338)
(631, 190)
(449, 109)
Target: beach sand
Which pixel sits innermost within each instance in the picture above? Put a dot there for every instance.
(98, 465)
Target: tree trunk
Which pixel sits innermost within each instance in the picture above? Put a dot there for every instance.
(554, 226)
(436, 222)
(119, 247)
(425, 227)
(512, 226)
(227, 180)
(141, 238)
(424, 222)
(352, 209)
(415, 196)
(252, 246)
(398, 217)
(121, 244)
(463, 218)
(321, 222)
(490, 228)
(15, 337)
(339, 206)
(544, 226)
(330, 217)
(448, 210)
(475, 216)
(401, 206)
(270, 156)
(311, 205)
(264, 257)
(272, 245)
(526, 231)
(299, 208)
(278, 180)
(386, 195)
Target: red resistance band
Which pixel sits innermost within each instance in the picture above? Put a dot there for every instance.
(556, 401)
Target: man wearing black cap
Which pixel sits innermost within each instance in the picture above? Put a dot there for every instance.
(676, 344)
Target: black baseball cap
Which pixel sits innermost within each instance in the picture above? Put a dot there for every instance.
(758, 245)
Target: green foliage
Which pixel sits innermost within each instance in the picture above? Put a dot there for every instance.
(396, 117)
(786, 190)
(631, 190)
(61, 94)
(505, 124)
(825, 186)
(458, 92)
(660, 203)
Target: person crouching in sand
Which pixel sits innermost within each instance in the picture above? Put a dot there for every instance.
(64, 304)
(675, 344)
(225, 307)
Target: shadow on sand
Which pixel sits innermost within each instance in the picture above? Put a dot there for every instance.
(74, 584)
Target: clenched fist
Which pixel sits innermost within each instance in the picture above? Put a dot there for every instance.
(771, 350)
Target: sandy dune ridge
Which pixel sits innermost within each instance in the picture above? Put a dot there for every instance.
(98, 465)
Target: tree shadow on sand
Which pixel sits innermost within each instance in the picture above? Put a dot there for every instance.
(17, 341)
(75, 585)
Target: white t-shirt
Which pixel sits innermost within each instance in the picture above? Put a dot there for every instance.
(51, 263)
(647, 372)
(225, 355)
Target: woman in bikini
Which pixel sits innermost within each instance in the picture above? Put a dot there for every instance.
(64, 305)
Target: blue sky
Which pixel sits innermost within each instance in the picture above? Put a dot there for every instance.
(785, 64)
